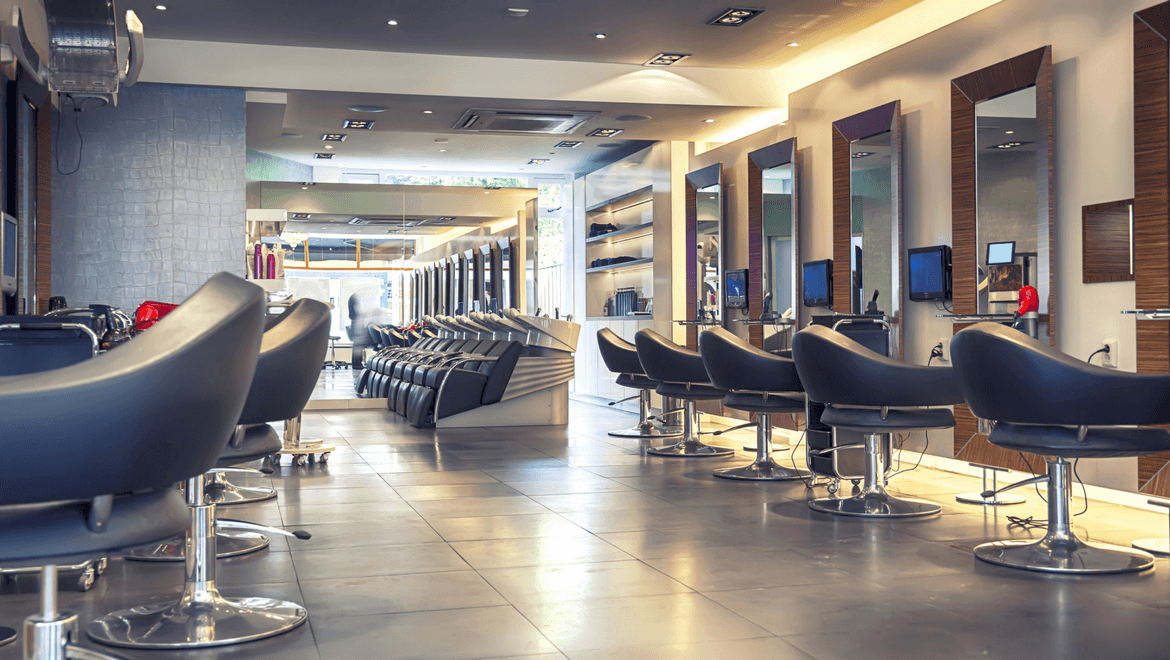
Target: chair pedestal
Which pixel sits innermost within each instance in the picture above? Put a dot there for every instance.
(228, 543)
(49, 635)
(1060, 551)
(645, 428)
(222, 491)
(7, 635)
(690, 446)
(873, 501)
(764, 468)
(201, 617)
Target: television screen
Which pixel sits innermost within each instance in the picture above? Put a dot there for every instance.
(736, 290)
(818, 283)
(1001, 253)
(9, 248)
(930, 273)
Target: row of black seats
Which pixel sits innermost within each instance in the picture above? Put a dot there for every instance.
(439, 377)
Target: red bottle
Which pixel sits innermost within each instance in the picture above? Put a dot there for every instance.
(272, 266)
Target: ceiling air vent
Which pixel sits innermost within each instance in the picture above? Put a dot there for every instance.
(536, 122)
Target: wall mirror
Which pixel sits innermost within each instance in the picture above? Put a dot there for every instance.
(867, 215)
(495, 277)
(773, 244)
(705, 204)
(480, 289)
(1107, 242)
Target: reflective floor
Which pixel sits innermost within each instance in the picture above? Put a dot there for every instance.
(565, 543)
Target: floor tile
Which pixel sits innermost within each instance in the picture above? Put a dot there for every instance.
(390, 594)
(550, 584)
(506, 527)
(546, 550)
(377, 560)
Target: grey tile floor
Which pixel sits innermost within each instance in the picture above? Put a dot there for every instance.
(546, 543)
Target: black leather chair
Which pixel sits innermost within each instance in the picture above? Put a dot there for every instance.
(874, 395)
(1045, 402)
(680, 374)
(756, 382)
(621, 357)
(202, 617)
(65, 500)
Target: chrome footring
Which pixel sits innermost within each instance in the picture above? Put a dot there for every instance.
(7, 635)
(873, 501)
(690, 447)
(223, 492)
(229, 543)
(649, 431)
(1060, 551)
(1002, 499)
(768, 470)
(201, 617)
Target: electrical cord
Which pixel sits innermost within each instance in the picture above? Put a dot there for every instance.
(901, 445)
(1031, 522)
(80, 139)
(1103, 349)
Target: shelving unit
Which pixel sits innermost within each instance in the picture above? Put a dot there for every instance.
(632, 214)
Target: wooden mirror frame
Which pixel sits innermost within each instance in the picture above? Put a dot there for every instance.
(775, 155)
(696, 181)
(875, 121)
(1022, 71)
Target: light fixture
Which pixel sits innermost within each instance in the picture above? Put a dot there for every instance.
(1009, 132)
(333, 137)
(735, 17)
(304, 187)
(359, 221)
(391, 22)
(326, 156)
(1008, 145)
(302, 216)
(308, 183)
(445, 218)
(328, 146)
(538, 161)
(708, 121)
(604, 132)
(161, 7)
(361, 124)
(600, 35)
(442, 140)
(442, 150)
(861, 154)
(367, 108)
(517, 13)
(428, 112)
(792, 44)
(666, 59)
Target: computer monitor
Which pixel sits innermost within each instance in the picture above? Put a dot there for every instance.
(930, 273)
(735, 293)
(1001, 253)
(818, 283)
(8, 244)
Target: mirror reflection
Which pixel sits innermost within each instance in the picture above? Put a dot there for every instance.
(873, 236)
(1011, 241)
(709, 266)
(779, 253)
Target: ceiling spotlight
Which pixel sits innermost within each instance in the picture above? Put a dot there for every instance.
(666, 59)
(604, 132)
(304, 187)
(735, 17)
(861, 154)
(538, 161)
(328, 146)
(442, 150)
(302, 216)
(792, 44)
(359, 221)
(308, 183)
(161, 7)
(333, 137)
(367, 108)
(517, 13)
(445, 218)
(1009, 132)
(708, 121)
(326, 156)
(391, 22)
(364, 124)
(600, 35)
(428, 112)
(1008, 145)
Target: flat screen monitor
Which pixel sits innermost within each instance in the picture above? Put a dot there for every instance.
(1001, 253)
(818, 283)
(8, 255)
(735, 293)
(930, 273)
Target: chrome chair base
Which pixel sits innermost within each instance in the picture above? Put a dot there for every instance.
(7, 635)
(875, 503)
(690, 449)
(1069, 555)
(1160, 547)
(223, 492)
(229, 543)
(195, 622)
(766, 470)
(647, 431)
(49, 634)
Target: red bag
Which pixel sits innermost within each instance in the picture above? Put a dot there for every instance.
(149, 312)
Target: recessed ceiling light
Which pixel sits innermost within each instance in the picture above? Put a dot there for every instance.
(302, 216)
(328, 146)
(600, 35)
(518, 13)
(326, 156)
(735, 17)
(428, 112)
(666, 59)
(304, 187)
(291, 135)
(604, 132)
(792, 44)
(538, 161)
(161, 7)
(442, 150)
(1009, 132)
(442, 140)
(861, 154)
(367, 108)
(391, 22)
(361, 124)
(569, 144)
(308, 183)
(333, 137)
(708, 121)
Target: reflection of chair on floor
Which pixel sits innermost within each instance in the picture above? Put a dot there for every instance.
(64, 500)
(680, 374)
(873, 395)
(756, 382)
(1045, 402)
(621, 357)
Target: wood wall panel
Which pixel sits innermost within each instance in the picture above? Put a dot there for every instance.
(44, 236)
(692, 219)
(842, 228)
(964, 261)
(1105, 242)
(755, 186)
(1044, 120)
(1151, 72)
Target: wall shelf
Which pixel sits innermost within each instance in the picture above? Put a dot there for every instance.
(622, 266)
(627, 234)
(621, 201)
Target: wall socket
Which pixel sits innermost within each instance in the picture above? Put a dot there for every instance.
(1111, 358)
(946, 348)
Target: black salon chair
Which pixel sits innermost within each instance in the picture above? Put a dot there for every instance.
(286, 374)
(873, 395)
(289, 354)
(680, 374)
(621, 357)
(65, 501)
(756, 382)
(1045, 402)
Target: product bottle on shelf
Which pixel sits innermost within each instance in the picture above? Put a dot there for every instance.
(271, 266)
(258, 262)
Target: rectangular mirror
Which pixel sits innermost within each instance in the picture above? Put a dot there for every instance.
(1107, 242)
(704, 228)
(773, 245)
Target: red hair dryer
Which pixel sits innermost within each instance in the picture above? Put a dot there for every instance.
(1028, 315)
